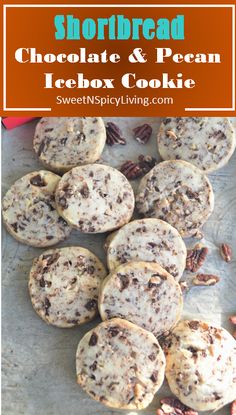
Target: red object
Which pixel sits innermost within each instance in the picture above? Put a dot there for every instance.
(11, 122)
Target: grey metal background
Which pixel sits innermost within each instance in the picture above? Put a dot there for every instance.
(39, 360)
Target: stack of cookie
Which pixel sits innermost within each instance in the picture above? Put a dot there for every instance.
(120, 362)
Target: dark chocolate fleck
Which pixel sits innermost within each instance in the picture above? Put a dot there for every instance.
(93, 339)
(93, 366)
(124, 281)
(47, 305)
(91, 305)
(84, 191)
(113, 331)
(64, 140)
(38, 181)
(14, 226)
(154, 376)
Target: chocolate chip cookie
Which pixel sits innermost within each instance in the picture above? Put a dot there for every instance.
(62, 143)
(95, 198)
(64, 285)
(151, 240)
(201, 365)
(206, 142)
(29, 210)
(178, 193)
(120, 365)
(143, 293)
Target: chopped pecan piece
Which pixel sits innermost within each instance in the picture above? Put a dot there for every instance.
(198, 235)
(184, 286)
(146, 163)
(143, 133)
(196, 257)
(205, 279)
(131, 170)
(233, 408)
(232, 319)
(226, 252)
(114, 135)
(171, 134)
(172, 406)
(51, 258)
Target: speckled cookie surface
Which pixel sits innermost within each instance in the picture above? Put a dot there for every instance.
(143, 293)
(29, 210)
(201, 365)
(62, 143)
(151, 240)
(206, 142)
(95, 198)
(64, 285)
(178, 193)
(120, 364)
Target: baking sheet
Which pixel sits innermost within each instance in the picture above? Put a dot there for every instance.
(38, 361)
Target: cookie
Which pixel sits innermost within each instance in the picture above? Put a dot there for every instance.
(177, 192)
(29, 210)
(151, 240)
(95, 198)
(64, 285)
(62, 143)
(206, 142)
(120, 365)
(144, 294)
(201, 365)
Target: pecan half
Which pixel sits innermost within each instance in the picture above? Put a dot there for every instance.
(205, 279)
(173, 406)
(226, 252)
(114, 135)
(142, 133)
(146, 163)
(196, 257)
(233, 408)
(131, 170)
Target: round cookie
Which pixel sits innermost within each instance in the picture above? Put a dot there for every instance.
(64, 285)
(95, 198)
(62, 143)
(120, 365)
(144, 294)
(201, 365)
(177, 192)
(29, 210)
(151, 240)
(206, 142)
